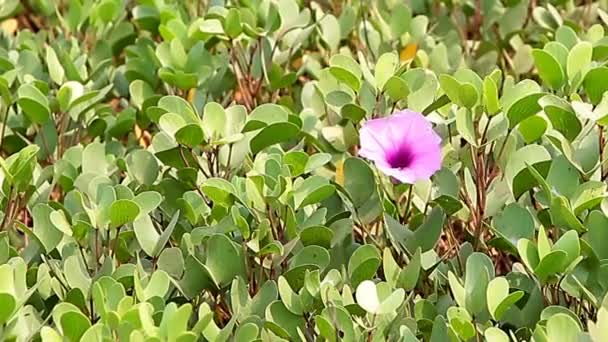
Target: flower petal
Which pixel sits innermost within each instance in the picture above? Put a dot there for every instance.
(402, 175)
(376, 139)
(385, 140)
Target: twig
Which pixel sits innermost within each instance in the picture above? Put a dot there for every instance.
(115, 246)
(371, 52)
(408, 203)
(4, 123)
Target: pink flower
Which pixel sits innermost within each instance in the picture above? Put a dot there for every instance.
(402, 145)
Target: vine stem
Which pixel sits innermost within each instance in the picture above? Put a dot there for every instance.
(408, 203)
(115, 245)
(9, 210)
(4, 122)
(601, 151)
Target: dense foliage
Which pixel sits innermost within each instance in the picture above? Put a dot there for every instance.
(190, 171)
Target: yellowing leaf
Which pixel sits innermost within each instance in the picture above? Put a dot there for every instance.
(409, 52)
(340, 172)
(191, 94)
(9, 25)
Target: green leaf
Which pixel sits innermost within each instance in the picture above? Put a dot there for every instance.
(490, 96)
(528, 253)
(55, 68)
(360, 184)
(464, 94)
(567, 36)
(516, 172)
(562, 215)
(363, 264)
(460, 322)
(9, 304)
(140, 92)
(549, 69)
(595, 85)
(352, 112)
(44, 229)
(190, 135)
(532, 128)
(411, 272)
(514, 223)
(94, 159)
(439, 330)
(158, 285)
(550, 265)
(317, 235)
(214, 120)
(579, 60)
(597, 225)
(143, 166)
(34, 104)
(74, 324)
(522, 60)
(562, 328)
(122, 212)
(562, 116)
(524, 108)
(379, 299)
(479, 271)
(330, 29)
(390, 267)
(427, 235)
(385, 68)
(282, 322)
(166, 234)
(588, 195)
(465, 125)
(493, 334)
(498, 298)
(171, 260)
(346, 70)
(146, 234)
(147, 201)
(219, 190)
(396, 88)
(273, 134)
(312, 190)
(232, 23)
(226, 262)
(338, 98)
(290, 299)
(457, 289)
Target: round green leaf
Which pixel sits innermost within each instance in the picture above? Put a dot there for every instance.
(595, 84)
(273, 134)
(549, 69)
(34, 104)
(532, 128)
(123, 211)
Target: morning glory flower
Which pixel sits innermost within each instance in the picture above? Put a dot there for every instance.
(402, 145)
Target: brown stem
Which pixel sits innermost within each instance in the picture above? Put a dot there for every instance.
(10, 204)
(240, 74)
(601, 151)
(480, 180)
(406, 213)
(115, 245)
(478, 19)
(96, 249)
(4, 123)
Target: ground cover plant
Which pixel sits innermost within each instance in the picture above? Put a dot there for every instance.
(303, 170)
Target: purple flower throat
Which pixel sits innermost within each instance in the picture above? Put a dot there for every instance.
(401, 158)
